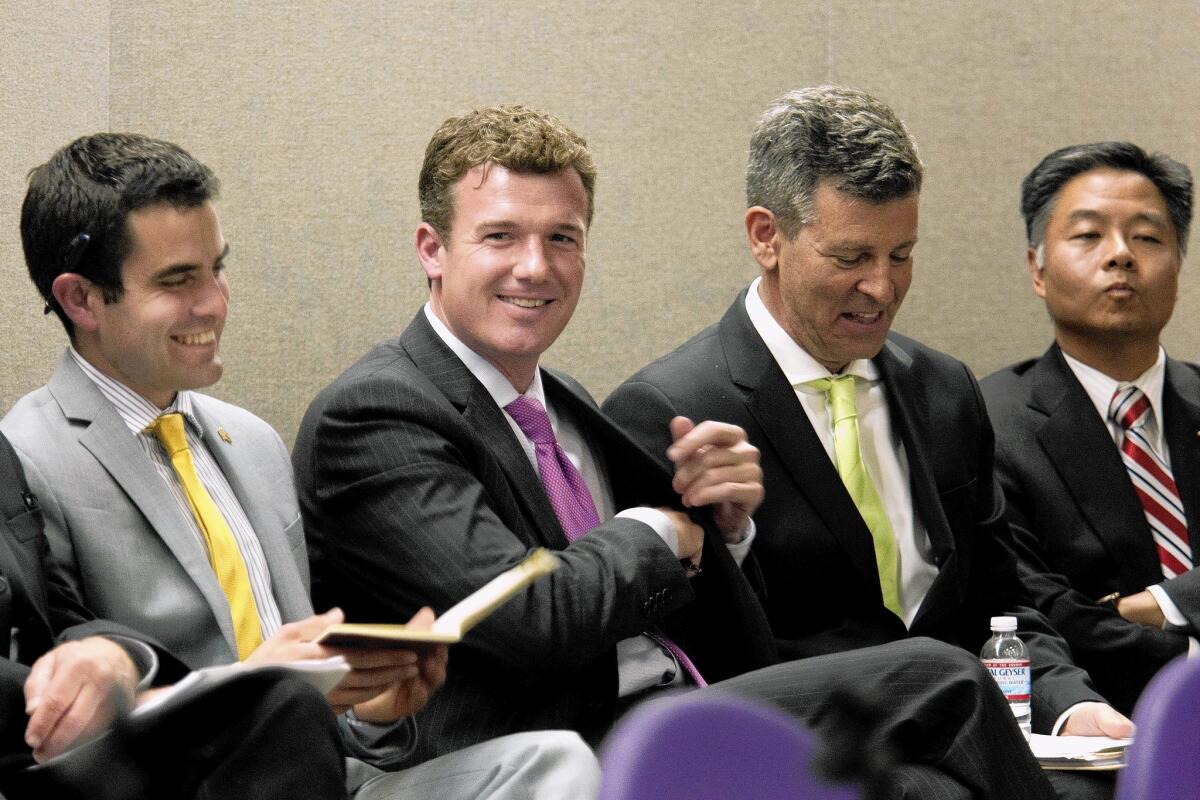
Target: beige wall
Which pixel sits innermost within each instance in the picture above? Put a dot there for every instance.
(315, 115)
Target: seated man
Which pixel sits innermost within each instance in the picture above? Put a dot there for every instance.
(881, 519)
(281, 743)
(175, 513)
(443, 456)
(1096, 439)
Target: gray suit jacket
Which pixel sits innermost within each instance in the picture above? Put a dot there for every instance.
(119, 533)
(122, 541)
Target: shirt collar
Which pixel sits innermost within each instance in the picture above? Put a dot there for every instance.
(493, 380)
(136, 411)
(1100, 387)
(798, 366)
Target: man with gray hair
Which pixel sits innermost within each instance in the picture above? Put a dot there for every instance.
(882, 520)
(1096, 438)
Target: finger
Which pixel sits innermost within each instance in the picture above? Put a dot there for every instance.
(85, 715)
(376, 678)
(377, 658)
(707, 434)
(422, 620)
(52, 704)
(742, 495)
(680, 427)
(688, 481)
(39, 678)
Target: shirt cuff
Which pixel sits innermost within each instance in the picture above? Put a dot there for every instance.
(1170, 611)
(1062, 719)
(739, 550)
(370, 734)
(658, 521)
(145, 660)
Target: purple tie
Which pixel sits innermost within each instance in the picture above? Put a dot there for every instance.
(569, 495)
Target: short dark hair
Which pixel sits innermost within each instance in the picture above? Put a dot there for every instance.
(828, 132)
(516, 137)
(1040, 189)
(76, 210)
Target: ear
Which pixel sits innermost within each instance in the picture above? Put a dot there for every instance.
(429, 251)
(75, 295)
(762, 234)
(1036, 272)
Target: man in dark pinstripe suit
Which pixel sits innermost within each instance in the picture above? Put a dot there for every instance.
(421, 477)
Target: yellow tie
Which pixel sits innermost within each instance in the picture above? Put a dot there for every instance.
(840, 393)
(223, 553)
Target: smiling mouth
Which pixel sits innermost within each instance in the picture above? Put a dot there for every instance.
(523, 302)
(193, 339)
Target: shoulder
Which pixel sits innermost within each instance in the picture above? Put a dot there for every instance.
(36, 423)
(700, 359)
(1007, 391)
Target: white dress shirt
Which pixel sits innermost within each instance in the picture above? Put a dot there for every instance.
(1100, 389)
(882, 450)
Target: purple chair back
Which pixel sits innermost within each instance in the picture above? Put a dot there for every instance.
(702, 746)
(1164, 759)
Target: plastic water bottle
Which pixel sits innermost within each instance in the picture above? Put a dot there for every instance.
(1007, 658)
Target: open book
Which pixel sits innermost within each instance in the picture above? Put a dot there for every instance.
(452, 625)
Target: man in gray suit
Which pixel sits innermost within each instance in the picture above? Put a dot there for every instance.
(173, 512)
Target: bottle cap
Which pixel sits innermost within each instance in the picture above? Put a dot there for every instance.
(1004, 623)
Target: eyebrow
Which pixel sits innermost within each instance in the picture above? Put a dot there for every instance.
(180, 269)
(1090, 215)
(507, 225)
(850, 244)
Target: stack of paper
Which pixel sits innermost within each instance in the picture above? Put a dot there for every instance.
(1079, 752)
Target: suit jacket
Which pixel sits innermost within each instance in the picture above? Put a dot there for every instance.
(820, 579)
(38, 605)
(415, 491)
(1079, 528)
(121, 536)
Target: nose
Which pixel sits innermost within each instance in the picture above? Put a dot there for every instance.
(1121, 255)
(212, 297)
(532, 263)
(876, 283)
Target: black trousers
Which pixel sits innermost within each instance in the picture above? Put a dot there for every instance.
(937, 711)
(263, 735)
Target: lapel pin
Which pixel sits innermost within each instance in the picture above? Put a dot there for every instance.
(224, 436)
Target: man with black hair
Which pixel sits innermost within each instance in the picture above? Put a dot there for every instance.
(1096, 439)
(64, 676)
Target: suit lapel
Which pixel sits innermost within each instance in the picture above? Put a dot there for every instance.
(1180, 390)
(910, 421)
(112, 444)
(772, 403)
(1078, 443)
(242, 468)
(447, 372)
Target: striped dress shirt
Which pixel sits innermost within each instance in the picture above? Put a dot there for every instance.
(138, 413)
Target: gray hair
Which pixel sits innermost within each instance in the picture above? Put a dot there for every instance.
(1041, 187)
(828, 132)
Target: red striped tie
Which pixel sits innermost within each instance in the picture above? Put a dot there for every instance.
(1152, 481)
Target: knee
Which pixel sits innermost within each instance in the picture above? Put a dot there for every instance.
(562, 762)
(947, 657)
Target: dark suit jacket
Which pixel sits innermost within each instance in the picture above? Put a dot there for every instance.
(415, 491)
(815, 552)
(36, 601)
(1078, 525)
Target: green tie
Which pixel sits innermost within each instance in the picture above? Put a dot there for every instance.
(840, 393)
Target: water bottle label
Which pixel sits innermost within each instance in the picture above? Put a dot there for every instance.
(1013, 677)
